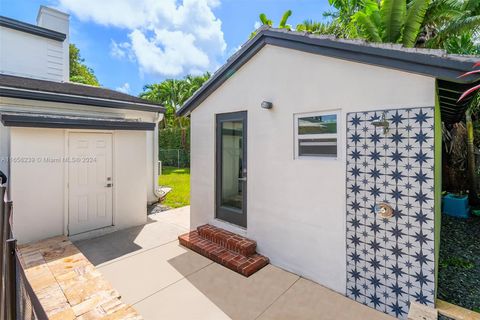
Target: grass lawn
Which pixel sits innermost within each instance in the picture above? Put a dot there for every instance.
(179, 180)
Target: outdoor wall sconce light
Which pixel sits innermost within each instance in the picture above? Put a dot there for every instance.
(267, 105)
(384, 210)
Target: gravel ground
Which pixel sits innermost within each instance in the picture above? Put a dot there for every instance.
(156, 208)
(459, 268)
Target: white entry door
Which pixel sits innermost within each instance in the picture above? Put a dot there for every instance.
(89, 182)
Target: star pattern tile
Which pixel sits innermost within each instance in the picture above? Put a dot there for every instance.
(390, 262)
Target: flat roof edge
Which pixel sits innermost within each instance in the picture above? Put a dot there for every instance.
(32, 29)
(75, 99)
(29, 121)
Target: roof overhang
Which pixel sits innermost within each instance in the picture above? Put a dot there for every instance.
(32, 29)
(448, 94)
(72, 122)
(389, 56)
(18, 93)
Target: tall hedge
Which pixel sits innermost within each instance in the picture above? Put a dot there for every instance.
(174, 138)
(174, 147)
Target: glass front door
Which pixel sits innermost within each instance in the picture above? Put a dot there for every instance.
(231, 180)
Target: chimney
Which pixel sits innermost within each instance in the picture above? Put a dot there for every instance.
(58, 21)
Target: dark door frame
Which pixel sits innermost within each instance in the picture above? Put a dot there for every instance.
(228, 214)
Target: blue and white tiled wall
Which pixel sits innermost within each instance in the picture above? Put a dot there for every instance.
(390, 262)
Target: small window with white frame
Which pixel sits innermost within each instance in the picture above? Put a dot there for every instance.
(316, 135)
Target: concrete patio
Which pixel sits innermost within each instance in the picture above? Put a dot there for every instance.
(163, 280)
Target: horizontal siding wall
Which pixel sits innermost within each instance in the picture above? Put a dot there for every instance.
(28, 55)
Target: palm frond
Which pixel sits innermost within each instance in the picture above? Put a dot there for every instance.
(367, 27)
(466, 24)
(413, 22)
(283, 22)
(393, 16)
(265, 20)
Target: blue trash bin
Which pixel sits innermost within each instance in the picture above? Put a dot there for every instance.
(456, 206)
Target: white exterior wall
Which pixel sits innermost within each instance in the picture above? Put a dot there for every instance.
(296, 208)
(27, 55)
(39, 188)
(58, 21)
(19, 105)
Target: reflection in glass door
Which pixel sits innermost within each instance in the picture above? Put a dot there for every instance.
(231, 158)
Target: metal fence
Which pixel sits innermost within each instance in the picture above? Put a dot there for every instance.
(179, 158)
(17, 299)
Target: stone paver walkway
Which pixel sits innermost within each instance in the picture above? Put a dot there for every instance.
(163, 280)
(68, 285)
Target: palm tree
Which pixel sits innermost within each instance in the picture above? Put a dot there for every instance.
(450, 18)
(172, 93)
(166, 93)
(391, 21)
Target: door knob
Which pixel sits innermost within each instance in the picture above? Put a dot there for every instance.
(242, 179)
(109, 185)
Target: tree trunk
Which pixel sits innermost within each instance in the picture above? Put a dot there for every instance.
(472, 176)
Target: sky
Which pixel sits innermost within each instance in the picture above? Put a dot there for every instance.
(131, 43)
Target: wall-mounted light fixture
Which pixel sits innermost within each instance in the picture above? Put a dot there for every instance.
(267, 105)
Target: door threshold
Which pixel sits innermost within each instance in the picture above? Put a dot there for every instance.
(93, 233)
(229, 226)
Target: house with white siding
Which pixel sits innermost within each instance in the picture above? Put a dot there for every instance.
(81, 160)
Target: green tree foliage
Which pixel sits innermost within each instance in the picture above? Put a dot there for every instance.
(79, 72)
(391, 21)
(453, 25)
(457, 19)
(172, 93)
(462, 44)
(342, 13)
(173, 138)
(315, 27)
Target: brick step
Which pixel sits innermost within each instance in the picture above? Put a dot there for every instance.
(228, 240)
(227, 258)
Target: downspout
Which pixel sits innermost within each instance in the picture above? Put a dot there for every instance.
(156, 190)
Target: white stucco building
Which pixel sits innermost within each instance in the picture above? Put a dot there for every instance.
(299, 140)
(80, 160)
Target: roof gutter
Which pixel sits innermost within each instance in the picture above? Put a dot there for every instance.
(75, 99)
(156, 189)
